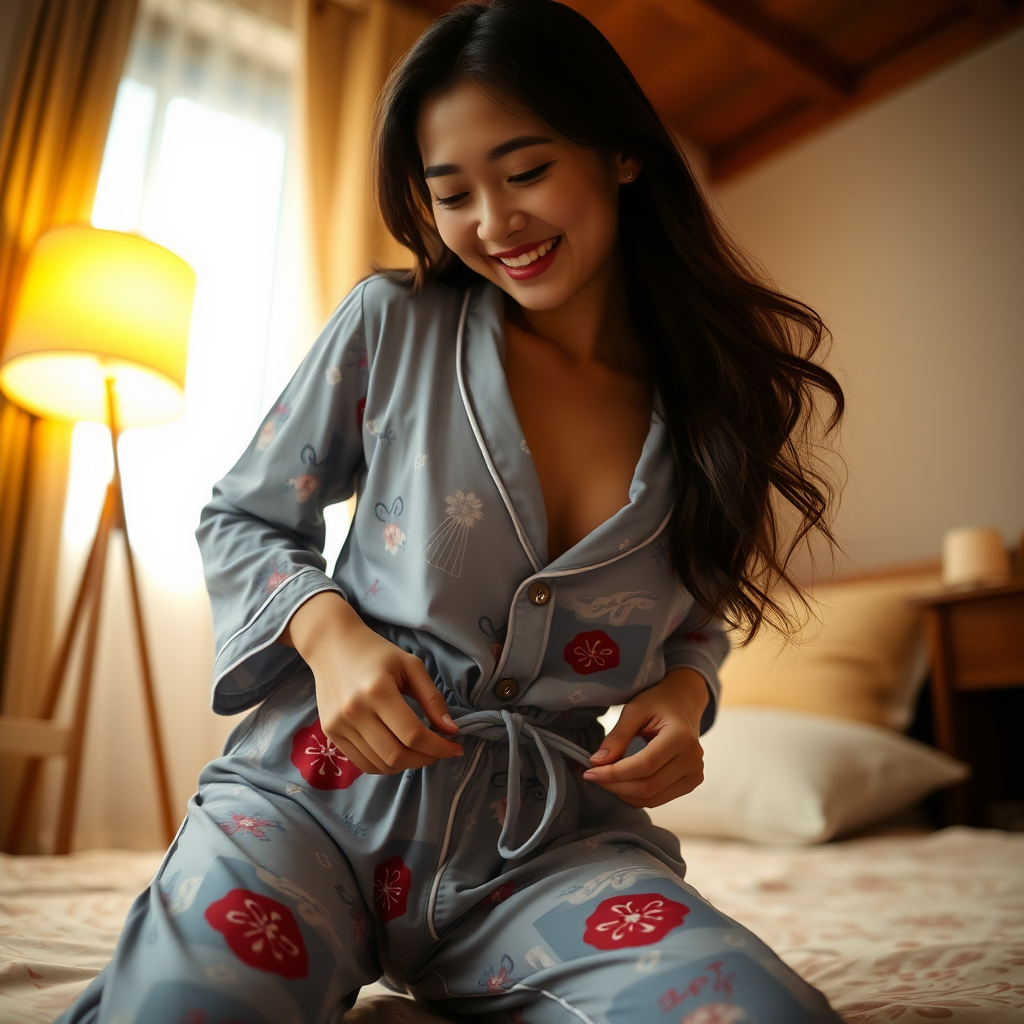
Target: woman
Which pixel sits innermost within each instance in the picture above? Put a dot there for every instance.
(566, 427)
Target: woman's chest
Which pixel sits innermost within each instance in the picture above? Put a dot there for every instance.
(586, 431)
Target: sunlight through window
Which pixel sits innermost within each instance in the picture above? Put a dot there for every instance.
(123, 174)
(195, 160)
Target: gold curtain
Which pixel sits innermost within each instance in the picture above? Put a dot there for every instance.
(349, 51)
(57, 99)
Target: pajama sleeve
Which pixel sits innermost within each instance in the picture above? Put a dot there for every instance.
(262, 534)
(700, 644)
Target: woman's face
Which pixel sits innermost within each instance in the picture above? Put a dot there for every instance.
(531, 212)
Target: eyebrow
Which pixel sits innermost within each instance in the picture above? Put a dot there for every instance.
(519, 142)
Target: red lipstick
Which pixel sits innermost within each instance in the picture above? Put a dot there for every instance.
(528, 270)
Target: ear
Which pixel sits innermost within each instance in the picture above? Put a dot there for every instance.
(627, 169)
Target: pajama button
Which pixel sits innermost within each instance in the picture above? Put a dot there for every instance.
(539, 593)
(507, 688)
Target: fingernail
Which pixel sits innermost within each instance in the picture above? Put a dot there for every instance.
(447, 719)
(603, 752)
(589, 775)
(459, 752)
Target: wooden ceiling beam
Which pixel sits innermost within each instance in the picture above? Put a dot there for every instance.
(802, 54)
(993, 10)
(925, 56)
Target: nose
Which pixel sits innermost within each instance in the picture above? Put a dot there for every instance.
(499, 220)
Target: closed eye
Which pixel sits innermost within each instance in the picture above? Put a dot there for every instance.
(518, 179)
(451, 200)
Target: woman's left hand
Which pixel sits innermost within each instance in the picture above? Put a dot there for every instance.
(668, 717)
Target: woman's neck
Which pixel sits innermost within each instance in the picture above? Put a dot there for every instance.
(592, 326)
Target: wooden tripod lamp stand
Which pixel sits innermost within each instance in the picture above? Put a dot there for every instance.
(100, 333)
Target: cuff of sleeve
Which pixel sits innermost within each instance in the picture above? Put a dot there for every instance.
(251, 663)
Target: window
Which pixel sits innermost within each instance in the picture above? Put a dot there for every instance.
(196, 160)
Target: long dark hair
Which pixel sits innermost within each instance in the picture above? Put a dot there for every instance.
(731, 358)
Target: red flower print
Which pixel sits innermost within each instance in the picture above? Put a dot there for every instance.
(267, 432)
(391, 880)
(320, 762)
(261, 932)
(272, 577)
(719, 982)
(305, 486)
(633, 921)
(360, 409)
(498, 981)
(499, 895)
(394, 538)
(593, 651)
(696, 638)
(250, 824)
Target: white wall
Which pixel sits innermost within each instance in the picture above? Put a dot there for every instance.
(903, 225)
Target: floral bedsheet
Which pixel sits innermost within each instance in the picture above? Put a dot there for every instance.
(899, 928)
(902, 928)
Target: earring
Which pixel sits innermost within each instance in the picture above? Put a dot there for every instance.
(629, 175)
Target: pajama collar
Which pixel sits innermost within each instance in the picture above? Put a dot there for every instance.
(480, 345)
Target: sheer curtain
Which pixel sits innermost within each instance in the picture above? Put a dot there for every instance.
(58, 76)
(199, 159)
(240, 140)
(350, 50)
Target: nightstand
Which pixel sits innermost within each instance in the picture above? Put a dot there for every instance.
(976, 640)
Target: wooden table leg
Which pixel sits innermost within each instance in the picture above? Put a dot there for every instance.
(954, 799)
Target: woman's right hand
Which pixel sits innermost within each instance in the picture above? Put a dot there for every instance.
(360, 682)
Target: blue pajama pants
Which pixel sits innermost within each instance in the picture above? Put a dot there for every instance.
(296, 879)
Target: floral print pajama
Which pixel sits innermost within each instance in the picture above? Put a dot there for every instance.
(500, 885)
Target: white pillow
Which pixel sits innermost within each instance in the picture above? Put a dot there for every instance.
(791, 777)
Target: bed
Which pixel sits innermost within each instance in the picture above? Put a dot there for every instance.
(917, 927)
(892, 924)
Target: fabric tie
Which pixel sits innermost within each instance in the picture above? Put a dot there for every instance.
(499, 725)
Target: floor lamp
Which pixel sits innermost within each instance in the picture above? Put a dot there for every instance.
(100, 333)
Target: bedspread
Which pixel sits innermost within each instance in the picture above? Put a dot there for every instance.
(896, 928)
(907, 928)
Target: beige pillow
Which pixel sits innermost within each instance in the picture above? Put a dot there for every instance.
(774, 776)
(861, 655)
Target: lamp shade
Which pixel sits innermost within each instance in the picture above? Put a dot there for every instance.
(98, 305)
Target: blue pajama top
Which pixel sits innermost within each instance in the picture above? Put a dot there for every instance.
(503, 883)
(403, 401)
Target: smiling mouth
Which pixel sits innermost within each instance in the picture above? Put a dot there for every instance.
(524, 259)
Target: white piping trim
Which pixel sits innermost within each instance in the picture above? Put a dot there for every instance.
(259, 611)
(544, 574)
(245, 655)
(492, 469)
(608, 561)
(173, 848)
(578, 1014)
(442, 861)
(440, 978)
